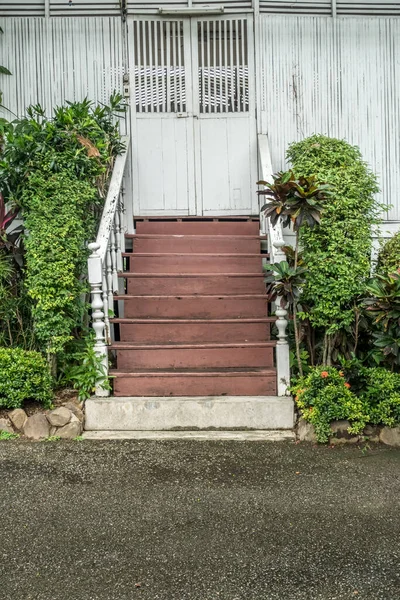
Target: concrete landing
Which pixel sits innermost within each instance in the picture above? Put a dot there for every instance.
(239, 436)
(210, 412)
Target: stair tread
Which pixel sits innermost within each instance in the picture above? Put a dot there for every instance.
(185, 275)
(173, 320)
(188, 345)
(200, 372)
(230, 296)
(207, 255)
(191, 236)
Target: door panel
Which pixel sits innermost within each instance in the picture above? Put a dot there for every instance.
(163, 169)
(162, 126)
(226, 114)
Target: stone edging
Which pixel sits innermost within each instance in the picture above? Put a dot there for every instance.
(390, 436)
(65, 422)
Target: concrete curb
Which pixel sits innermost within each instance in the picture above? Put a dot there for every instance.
(239, 436)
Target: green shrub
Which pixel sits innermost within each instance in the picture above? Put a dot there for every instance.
(324, 396)
(379, 390)
(358, 394)
(24, 375)
(337, 253)
(80, 366)
(58, 216)
(389, 256)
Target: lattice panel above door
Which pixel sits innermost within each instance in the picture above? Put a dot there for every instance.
(159, 66)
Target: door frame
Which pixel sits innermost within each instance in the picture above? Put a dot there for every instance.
(190, 32)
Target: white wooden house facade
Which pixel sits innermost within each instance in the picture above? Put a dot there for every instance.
(216, 91)
(203, 79)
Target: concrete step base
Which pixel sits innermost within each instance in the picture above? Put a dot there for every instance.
(211, 412)
(239, 436)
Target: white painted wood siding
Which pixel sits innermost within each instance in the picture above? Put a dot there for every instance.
(340, 77)
(60, 59)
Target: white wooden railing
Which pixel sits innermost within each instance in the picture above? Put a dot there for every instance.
(104, 264)
(276, 254)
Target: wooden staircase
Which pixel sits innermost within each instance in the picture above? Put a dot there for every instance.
(195, 320)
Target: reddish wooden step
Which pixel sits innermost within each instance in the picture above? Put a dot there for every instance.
(196, 244)
(194, 330)
(142, 284)
(200, 307)
(132, 356)
(199, 227)
(194, 263)
(212, 382)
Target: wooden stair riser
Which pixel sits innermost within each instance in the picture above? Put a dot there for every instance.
(175, 285)
(197, 245)
(195, 385)
(195, 263)
(194, 332)
(199, 307)
(236, 228)
(186, 358)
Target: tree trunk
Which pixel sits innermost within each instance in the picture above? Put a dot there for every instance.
(297, 340)
(52, 362)
(296, 330)
(325, 349)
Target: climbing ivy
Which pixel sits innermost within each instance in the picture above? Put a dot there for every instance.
(337, 253)
(58, 215)
(389, 256)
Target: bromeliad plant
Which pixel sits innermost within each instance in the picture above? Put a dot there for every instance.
(299, 202)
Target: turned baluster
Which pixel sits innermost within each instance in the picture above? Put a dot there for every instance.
(98, 323)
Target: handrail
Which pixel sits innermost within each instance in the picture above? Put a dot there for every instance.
(276, 254)
(104, 264)
(275, 233)
(111, 203)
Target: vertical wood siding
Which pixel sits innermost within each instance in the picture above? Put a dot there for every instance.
(340, 77)
(60, 59)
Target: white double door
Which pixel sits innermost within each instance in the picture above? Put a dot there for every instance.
(194, 148)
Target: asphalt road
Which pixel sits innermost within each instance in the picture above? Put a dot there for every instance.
(182, 520)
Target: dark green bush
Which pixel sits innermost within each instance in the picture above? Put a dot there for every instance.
(24, 375)
(337, 253)
(379, 390)
(389, 256)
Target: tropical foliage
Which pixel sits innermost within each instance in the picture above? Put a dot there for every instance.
(298, 202)
(54, 173)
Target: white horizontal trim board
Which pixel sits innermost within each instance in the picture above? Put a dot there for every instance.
(31, 8)
(84, 7)
(325, 7)
(339, 77)
(62, 8)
